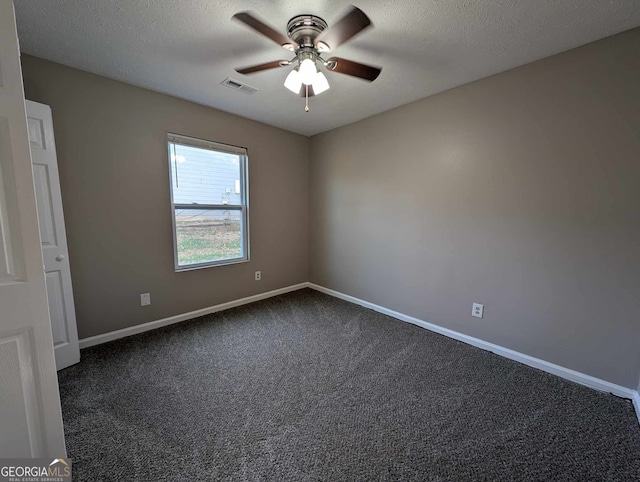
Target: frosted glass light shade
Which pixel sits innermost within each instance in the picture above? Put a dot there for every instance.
(293, 82)
(308, 71)
(320, 83)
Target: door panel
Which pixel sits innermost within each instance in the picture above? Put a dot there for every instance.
(55, 295)
(45, 208)
(36, 133)
(30, 415)
(11, 258)
(19, 401)
(52, 234)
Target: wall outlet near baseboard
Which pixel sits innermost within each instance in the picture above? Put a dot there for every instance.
(477, 310)
(258, 275)
(145, 299)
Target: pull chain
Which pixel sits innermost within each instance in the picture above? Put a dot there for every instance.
(306, 107)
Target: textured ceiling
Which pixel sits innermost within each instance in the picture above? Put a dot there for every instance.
(186, 48)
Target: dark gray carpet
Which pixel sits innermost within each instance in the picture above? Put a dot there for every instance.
(307, 387)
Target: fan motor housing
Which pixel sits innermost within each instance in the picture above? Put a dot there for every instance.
(303, 29)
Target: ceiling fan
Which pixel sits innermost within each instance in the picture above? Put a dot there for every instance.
(309, 36)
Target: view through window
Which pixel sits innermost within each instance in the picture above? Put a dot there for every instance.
(209, 202)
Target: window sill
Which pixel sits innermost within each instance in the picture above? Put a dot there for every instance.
(225, 262)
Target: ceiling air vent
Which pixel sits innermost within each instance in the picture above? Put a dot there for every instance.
(237, 85)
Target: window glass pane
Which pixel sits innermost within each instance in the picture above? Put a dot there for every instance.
(204, 176)
(208, 235)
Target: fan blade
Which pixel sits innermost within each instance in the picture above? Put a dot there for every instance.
(260, 67)
(351, 24)
(303, 90)
(356, 69)
(260, 27)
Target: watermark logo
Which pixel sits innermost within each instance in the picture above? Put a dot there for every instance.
(35, 470)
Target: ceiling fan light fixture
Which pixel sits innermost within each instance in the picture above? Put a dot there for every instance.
(293, 82)
(308, 71)
(320, 83)
(309, 36)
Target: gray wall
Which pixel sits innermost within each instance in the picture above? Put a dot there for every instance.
(520, 191)
(112, 155)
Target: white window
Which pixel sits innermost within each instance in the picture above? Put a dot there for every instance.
(209, 202)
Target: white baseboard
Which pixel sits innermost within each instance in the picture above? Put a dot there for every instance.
(562, 372)
(636, 403)
(152, 325)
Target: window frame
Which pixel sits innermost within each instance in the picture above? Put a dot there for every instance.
(243, 207)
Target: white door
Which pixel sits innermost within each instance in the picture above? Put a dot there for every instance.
(30, 416)
(52, 235)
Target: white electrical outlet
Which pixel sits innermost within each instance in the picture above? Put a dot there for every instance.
(258, 275)
(145, 299)
(477, 310)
